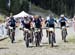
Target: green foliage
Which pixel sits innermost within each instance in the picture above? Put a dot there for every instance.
(3, 4)
(16, 6)
(3, 7)
(57, 6)
(25, 6)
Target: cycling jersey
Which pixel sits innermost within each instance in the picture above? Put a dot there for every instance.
(12, 22)
(50, 22)
(26, 23)
(62, 21)
(37, 23)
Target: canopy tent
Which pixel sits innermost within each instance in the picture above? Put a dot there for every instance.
(21, 14)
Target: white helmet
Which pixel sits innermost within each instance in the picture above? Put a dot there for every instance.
(74, 16)
(62, 15)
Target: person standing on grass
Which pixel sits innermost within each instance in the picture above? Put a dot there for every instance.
(74, 23)
(2, 29)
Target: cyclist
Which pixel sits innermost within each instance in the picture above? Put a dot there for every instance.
(47, 25)
(50, 22)
(63, 20)
(37, 21)
(26, 24)
(12, 23)
(42, 21)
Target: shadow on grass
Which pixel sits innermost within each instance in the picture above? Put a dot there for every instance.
(3, 39)
(44, 45)
(56, 46)
(4, 48)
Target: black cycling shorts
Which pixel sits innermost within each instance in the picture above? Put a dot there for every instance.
(51, 25)
(62, 24)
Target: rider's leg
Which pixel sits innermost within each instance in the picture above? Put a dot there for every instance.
(47, 33)
(61, 31)
(13, 36)
(40, 36)
(24, 35)
(54, 39)
(66, 32)
(62, 34)
(41, 32)
(65, 36)
(8, 31)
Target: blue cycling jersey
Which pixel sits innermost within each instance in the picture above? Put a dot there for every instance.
(62, 19)
(51, 21)
(12, 22)
(37, 23)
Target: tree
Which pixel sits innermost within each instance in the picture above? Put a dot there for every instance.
(24, 6)
(57, 6)
(3, 7)
(15, 6)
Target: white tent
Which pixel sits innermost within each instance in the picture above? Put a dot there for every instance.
(21, 14)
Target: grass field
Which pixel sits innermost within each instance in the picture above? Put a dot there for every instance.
(2, 17)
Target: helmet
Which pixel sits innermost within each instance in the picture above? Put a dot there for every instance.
(11, 17)
(36, 16)
(62, 15)
(74, 16)
(25, 16)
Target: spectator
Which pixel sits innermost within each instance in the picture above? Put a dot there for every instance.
(74, 22)
(3, 31)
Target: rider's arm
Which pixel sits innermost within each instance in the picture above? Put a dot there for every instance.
(45, 21)
(22, 21)
(59, 20)
(23, 24)
(55, 21)
(66, 19)
(9, 22)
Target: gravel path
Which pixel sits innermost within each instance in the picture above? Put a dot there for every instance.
(18, 48)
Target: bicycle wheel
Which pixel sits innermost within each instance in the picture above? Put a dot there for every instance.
(26, 38)
(37, 39)
(12, 36)
(49, 38)
(27, 43)
(64, 35)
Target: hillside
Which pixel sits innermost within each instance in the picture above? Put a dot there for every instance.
(35, 10)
